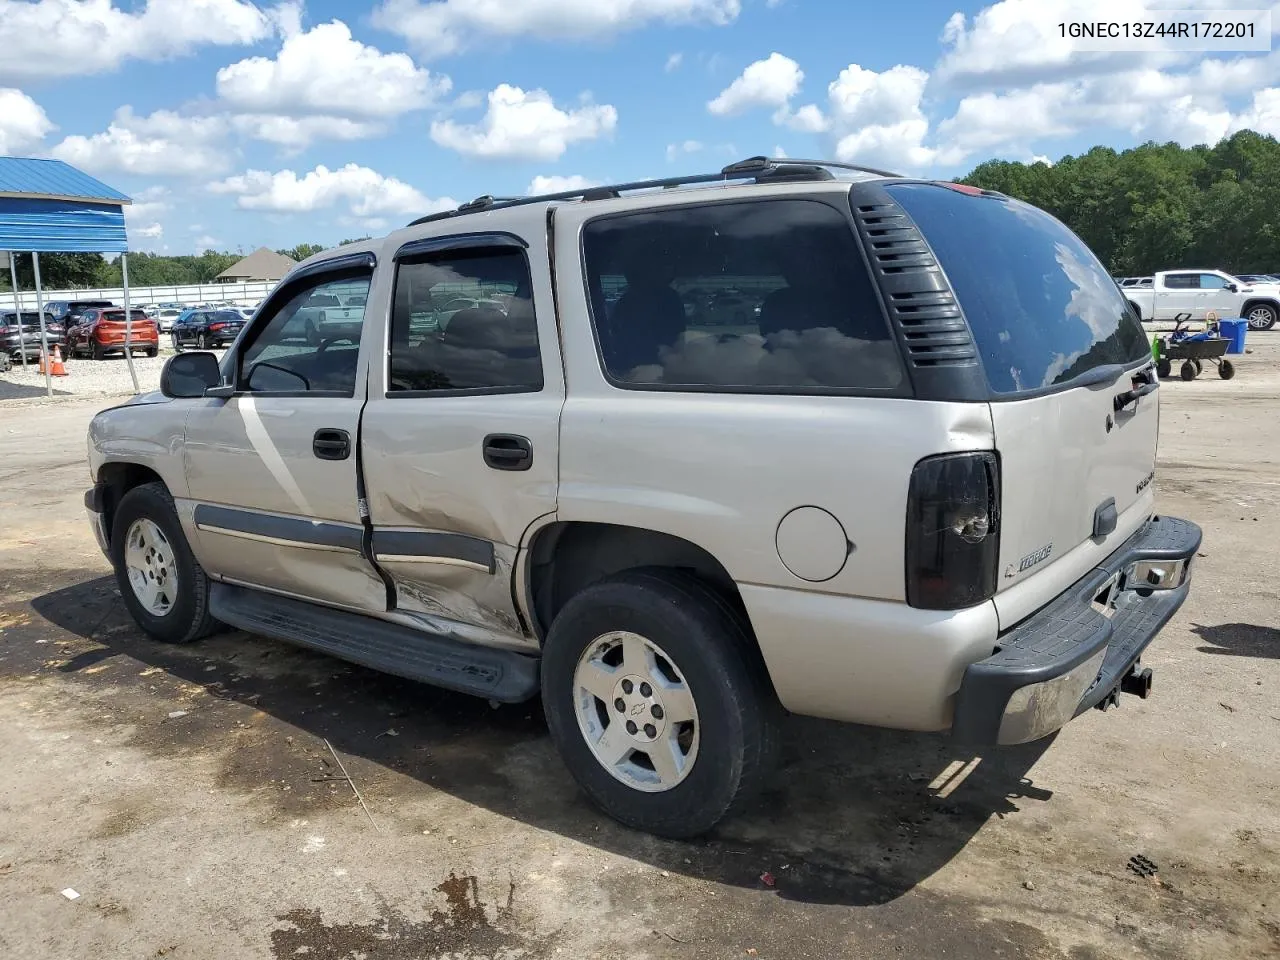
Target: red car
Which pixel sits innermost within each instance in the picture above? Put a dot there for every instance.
(101, 330)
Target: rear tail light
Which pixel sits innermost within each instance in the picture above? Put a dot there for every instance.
(953, 531)
(217, 326)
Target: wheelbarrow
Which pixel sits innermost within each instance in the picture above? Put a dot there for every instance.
(1193, 349)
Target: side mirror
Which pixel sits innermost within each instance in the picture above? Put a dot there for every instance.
(189, 375)
(1233, 288)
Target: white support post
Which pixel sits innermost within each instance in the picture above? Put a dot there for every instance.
(17, 307)
(128, 322)
(44, 334)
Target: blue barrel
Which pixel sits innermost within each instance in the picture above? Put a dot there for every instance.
(1234, 331)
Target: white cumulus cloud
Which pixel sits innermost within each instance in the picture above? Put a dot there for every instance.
(365, 192)
(164, 143)
(558, 184)
(771, 82)
(23, 122)
(296, 133)
(877, 117)
(525, 125)
(60, 38)
(438, 27)
(326, 71)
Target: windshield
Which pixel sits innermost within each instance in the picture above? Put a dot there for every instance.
(1042, 309)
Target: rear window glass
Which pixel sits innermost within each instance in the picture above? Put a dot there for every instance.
(1043, 310)
(769, 295)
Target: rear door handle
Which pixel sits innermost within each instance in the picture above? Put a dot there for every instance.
(508, 451)
(331, 444)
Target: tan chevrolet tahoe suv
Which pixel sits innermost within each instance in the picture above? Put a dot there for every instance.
(905, 481)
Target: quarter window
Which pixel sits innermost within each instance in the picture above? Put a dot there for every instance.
(770, 295)
(311, 343)
(464, 320)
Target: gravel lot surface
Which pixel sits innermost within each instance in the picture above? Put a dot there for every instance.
(188, 794)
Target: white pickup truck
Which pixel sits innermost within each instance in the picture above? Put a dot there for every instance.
(1197, 292)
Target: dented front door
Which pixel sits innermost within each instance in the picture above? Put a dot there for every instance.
(460, 434)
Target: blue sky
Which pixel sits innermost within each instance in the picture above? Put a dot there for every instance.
(236, 124)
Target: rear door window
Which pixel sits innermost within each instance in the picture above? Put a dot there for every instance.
(1042, 309)
(768, 296)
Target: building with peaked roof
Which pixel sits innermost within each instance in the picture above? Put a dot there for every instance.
(47, 206)
(262, 264)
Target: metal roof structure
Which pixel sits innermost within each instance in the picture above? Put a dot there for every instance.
(47, 206)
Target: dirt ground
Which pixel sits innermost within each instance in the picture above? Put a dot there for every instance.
(190, 798)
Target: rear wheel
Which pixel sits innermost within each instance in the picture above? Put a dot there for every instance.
(203, 341)
(1199, 367)
(162, 583)
(96, 351)
(1226, 369)
(658, 703)
(1262, 316)
(1188, 371)
(1164, 369)
(152, 351)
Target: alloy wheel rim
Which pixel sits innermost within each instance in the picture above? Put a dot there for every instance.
(1259, 317)
(636, 712)
(149, 561)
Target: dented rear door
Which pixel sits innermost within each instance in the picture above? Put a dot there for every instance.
(460, 436)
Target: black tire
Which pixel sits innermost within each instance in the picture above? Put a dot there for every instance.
(1226, 369)
(152, 351)
(1261, 316)
(96, 351)
(1164, 368)
(1188, 370)
(312, 334)
(177, 343)
(709, 644)
(1199, 367)
(203, 341)
(188, 619)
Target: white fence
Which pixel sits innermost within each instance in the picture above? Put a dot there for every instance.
(192, 293)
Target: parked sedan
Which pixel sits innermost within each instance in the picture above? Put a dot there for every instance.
(101, 331)
(206, 329)
(167, 317)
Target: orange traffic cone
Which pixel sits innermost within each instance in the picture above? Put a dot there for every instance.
(40, 365)
(57, 369)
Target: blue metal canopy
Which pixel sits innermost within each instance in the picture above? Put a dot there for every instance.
(48, 206)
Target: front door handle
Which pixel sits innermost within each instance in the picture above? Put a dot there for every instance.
(507, 451)
(331, 444)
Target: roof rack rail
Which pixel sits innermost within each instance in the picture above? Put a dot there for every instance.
(761, 169)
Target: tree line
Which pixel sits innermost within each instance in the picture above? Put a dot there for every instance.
(69, 271)
(1160, 206)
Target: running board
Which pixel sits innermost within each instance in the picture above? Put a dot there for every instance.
(430, 658)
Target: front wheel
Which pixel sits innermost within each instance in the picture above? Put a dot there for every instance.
(658, 702)
(1188, 371)
(1164, 368)
(1226, 369)
(162, 583)
(1262, 317)
(177, 343)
